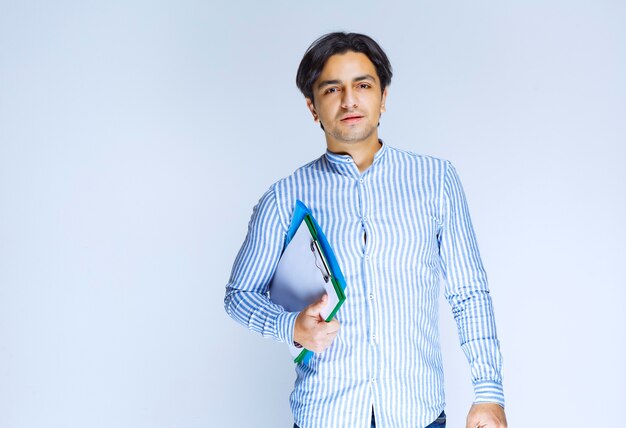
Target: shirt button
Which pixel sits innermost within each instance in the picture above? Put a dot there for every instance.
(367, 257)
(371, 296)
(373, 337)
(361, 181)
(373, 379)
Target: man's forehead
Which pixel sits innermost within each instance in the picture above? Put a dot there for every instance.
(347, 66)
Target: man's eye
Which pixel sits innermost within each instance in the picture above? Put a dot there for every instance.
(364, 85)
(330, 90)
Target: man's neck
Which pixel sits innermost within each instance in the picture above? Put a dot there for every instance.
(361, 152)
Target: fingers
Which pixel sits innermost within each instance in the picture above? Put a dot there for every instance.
(322, 335)
(314, 309)
(311, 331)
(486, 415)
(322, 339)
(332, 327)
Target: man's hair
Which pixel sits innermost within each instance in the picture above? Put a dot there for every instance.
(338, 43)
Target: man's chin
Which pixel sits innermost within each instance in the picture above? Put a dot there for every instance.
(353, 137)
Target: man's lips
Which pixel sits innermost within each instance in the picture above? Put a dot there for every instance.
(351, 118)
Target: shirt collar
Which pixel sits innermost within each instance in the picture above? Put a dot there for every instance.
(345, 165)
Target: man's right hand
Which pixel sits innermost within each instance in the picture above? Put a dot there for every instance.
(311, 331)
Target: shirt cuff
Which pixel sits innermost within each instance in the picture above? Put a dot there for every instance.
(489, 392)
(285, 323)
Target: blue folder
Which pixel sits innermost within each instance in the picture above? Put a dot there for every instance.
(307, 270)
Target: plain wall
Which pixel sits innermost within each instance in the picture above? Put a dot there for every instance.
(136, 136)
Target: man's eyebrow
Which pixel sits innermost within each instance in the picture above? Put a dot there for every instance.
(364, 77)
(337, 81)
(328, 82)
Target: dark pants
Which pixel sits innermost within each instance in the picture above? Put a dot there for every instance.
(440, 422)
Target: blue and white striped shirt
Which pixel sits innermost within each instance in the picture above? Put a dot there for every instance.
(396, 229)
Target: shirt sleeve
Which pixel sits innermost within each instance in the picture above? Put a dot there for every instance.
(246, 299)
(468, 294)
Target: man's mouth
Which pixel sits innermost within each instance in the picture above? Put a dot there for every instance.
(351, 118)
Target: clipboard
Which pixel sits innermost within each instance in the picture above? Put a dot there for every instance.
(306, 271)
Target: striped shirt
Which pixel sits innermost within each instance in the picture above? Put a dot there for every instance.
(397, 229)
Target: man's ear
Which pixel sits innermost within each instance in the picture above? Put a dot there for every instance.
(311, 107)
(383, 100)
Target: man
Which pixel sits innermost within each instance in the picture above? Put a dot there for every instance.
(398, 222)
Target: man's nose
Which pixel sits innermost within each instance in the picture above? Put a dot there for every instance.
(349, 100)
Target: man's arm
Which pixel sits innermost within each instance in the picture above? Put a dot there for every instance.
(468, 294)
(246, 298)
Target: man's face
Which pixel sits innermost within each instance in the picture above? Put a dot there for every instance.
(348, 99)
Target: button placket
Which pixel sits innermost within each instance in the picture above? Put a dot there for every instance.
(367, 272)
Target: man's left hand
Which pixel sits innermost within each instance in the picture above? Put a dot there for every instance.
(486, 415)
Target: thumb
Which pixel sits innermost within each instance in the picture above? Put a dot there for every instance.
(314, 309)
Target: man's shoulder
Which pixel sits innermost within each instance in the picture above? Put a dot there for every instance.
(287, 190)
(303, 170)
(302, 175)
(417, 157)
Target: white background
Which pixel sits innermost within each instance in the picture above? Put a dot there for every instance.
(135, 138)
